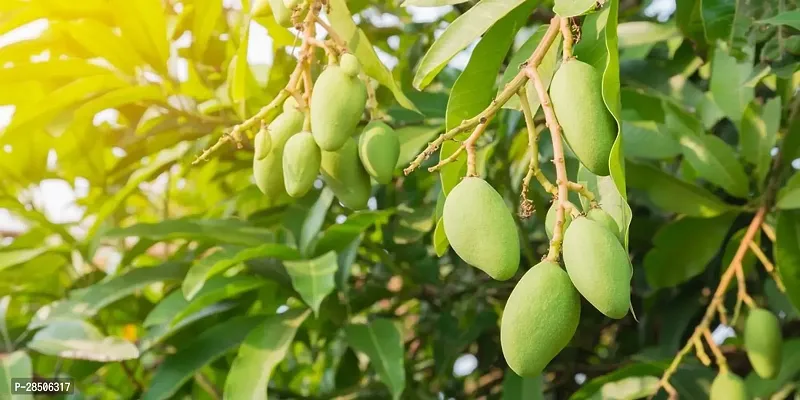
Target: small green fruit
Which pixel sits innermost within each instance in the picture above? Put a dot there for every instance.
(349, 64)
(268, 171)
(539, 319)
(598, 266)
(283, 15)
(343, 173)
(728, 386)
(290, 104)
(301, 162)
(337, 104)
(764, 342)
(263, 143)
(480, 228)
(379, 149)
(588, 126)
(606, 220)
(550, 220)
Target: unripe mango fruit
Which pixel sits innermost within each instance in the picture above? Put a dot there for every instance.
(764, 342)
(283, 15)
(379, 149)
(728, 386)
(349, 64)
(343, 173)
(606, 220)
(539, 319)
(301, 161)
(598, 266)
(550, 219)
(480, 228)
(588, 126)
(263, 144)
(268, 171)
(337, 103)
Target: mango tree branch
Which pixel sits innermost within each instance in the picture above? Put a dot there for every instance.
(508, 91)
(722, 362)
(526, 205)
(767, 265)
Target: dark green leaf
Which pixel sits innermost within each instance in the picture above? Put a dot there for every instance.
(262, 350)
(516, 387)
(787, 253)
(684, 248)
(313, 279)
(382, 342)
(718, 16)
(789, 195)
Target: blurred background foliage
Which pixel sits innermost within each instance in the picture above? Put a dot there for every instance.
(140, 275)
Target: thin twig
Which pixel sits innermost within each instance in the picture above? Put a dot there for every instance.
(526, 205)
(508, 91)
(469, 145)
(700, 350)
(768, 231)
(768, 266)
(721, 361)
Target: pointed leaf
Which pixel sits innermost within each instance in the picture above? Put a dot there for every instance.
(787, 253)
(143, 24)
(100, 40)
(338, 236)
(788, 18)
(345, 261)
(359, 44)
(314, 220)
(15, 257)
(313, 279)
(215, 290)
(81, 341)
(263, 349)
(382, 342)
(715, 161)
(206, 15)
(458, 35)
(204, 349)
(728, 88)
(229, 230)
(157, 333)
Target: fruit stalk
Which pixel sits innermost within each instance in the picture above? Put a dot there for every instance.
(716, 301)
(562, 180)
(722, 362)
(508, 91)
(566, 31)
(526, 208)
(768, 266)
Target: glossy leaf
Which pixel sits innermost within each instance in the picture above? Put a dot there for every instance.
(459, 35)
(718, 16)
(313, 279)
(223, 259)
(382, 342)
(314, 220)
(210, 345)
(11, 258)
(81, 341)
(262, 350)
(359, 44)
(787, 253)
(412, 140)
(684, 248)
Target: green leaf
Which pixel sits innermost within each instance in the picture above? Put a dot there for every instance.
(314, 220)
(788, 18)
(756, 137)
(412, 224)
(640, 33)
(116, 98)
(205, 17)
(359, 44)
(338, 236)
(474, 88)
(715, 160)
(431, 3)
(790, 366)
(208, 346)
(167, 308)
(225, 258)
(241, 82)
(728, 88)
(608, 196)
(572, 8)
(143, 24)
(718, 17)
(592, 388)
(382, 342)
(262, 350)
(672, 194)
(787, 253)
(313, 279)
(788, 196)
(647, 140)
(345, 261)
(100, 40)
(516, 387)
(86, 302)
(440, 242)
(412, 140)
(81, 341)
(459, 34)
(215, 290)
(66, 69)
(546, 68)
(683, 249)
(231, 230)
(11, 258)
(15, 365)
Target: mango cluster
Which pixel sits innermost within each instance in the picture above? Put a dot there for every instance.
(288, 158)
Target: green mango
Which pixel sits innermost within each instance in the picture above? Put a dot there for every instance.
(337, 103)
(283, 15)
(539, 319)
(268, 171)
(301, 161)
(606, 220)
(550, 219)
(728, 386)
(598, 266)
(344, 174)
(587, 125)
(764, 342)
(379, 149)
(481, 229)
(263, 144)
